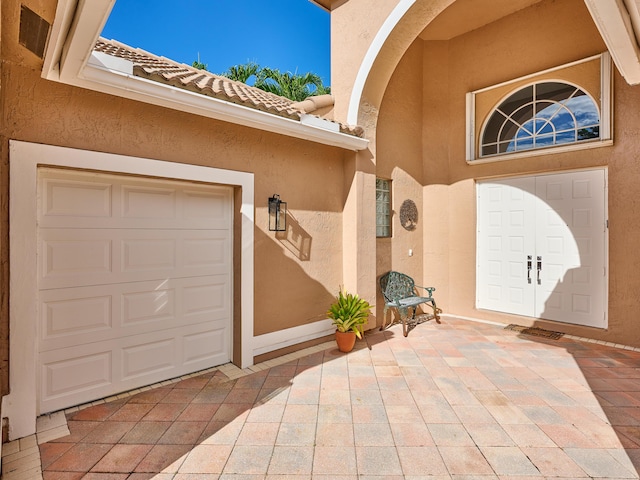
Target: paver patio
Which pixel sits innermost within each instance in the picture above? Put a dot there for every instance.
(459, 399)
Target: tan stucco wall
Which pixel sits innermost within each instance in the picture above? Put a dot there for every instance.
(399, 159)
(504, 50)
(349, 44)
(296, 274)
(436, 75)
(355, 28)
(437, 197)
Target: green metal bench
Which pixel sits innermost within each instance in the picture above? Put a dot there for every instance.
(399, 292)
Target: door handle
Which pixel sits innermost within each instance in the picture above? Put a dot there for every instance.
(529, 264)
(539, 269)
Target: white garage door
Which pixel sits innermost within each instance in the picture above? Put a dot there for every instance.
(134, 282)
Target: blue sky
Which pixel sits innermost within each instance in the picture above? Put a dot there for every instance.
(290, 35)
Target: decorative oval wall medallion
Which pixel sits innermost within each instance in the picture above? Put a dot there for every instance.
(409, 215)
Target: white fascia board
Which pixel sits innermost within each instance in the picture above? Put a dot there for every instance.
(70, 59)
(614, 24)
(319, 122)
(100, 75)
(62, 24)
(74, 33)
(110, 63)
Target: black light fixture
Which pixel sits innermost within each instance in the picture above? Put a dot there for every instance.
(277, 214)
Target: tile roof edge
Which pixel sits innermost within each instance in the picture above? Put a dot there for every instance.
(148, 54)
(314, 102)
(259, 99)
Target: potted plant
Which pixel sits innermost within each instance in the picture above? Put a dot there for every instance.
(348, 312)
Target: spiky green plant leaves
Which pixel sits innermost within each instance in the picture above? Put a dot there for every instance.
(349, 312)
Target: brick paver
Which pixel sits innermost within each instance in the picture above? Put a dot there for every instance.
(453, 400)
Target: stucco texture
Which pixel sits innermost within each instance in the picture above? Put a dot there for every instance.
(296, 273)
(545, 35)
(399, 159)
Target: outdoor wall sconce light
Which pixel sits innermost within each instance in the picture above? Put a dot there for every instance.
(277, 214)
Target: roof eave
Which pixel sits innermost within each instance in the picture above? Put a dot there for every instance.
(136, 88)
(74, 33)
(324, 4)
(619, 22)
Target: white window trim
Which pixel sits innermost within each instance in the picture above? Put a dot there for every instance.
(605, 107)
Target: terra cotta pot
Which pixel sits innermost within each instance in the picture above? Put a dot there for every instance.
(345, 341)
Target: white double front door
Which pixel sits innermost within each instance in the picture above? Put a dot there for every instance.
(542, 247)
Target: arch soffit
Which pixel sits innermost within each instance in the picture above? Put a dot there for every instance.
(406, 22)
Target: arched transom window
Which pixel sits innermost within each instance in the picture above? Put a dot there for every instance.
(541, 115)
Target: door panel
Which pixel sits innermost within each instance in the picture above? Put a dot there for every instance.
(505, 238)
(570, 238)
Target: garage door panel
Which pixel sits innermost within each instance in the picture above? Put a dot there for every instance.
(210, 298)
(74, 316)
(149, 306)
(113, 201)
(149, 357)
(60, 199)
(71, 257)
(79, 257)
(148, 255)
(203, 346)
(87, 371)
(201, 252)
(206, 205)
(148, 203)
(84, 373)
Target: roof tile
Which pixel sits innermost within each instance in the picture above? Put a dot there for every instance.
(166, 71)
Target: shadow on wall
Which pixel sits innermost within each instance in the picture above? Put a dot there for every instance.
(286, 294)
(383, 265)
(408, 219)
(296, 239)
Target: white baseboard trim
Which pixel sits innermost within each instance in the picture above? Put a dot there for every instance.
(291, 336)
(472, 319)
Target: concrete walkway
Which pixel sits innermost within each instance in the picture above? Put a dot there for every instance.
(460, 399)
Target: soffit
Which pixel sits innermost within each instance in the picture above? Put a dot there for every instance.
(326, 4)
(633, 7)
(466, 15)
(618, 22)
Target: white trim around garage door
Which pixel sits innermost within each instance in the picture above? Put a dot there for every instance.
(20, 406)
